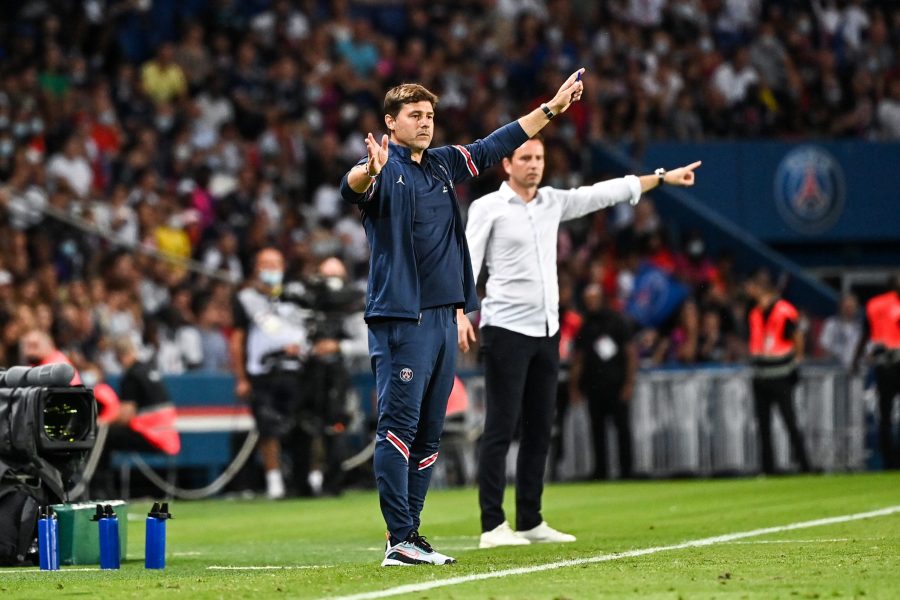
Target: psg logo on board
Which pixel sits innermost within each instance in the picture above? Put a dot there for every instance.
(809, 190)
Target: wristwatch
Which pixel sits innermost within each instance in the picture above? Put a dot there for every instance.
(661, 173)
(547, 111)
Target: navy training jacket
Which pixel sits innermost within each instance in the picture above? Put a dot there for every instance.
(388, 212)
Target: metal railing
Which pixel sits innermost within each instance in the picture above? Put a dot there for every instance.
(700, 422)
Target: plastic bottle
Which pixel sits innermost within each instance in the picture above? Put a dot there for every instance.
(155, 546)
(48, 539)
(109, 537)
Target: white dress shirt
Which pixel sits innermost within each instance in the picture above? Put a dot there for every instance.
(518, 242)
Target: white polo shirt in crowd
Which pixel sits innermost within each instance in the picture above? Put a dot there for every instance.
(517, 240)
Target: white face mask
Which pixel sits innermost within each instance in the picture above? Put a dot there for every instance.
(90, 379)
(271, 278)
(695, 248)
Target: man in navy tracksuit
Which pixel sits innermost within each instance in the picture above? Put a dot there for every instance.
(420, 273)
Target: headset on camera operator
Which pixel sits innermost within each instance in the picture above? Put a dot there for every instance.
(268, 347)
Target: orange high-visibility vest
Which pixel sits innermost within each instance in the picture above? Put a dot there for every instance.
(157, 425)
(109, 402)
(767, 335)
(883, 312)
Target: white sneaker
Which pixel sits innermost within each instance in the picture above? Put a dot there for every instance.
(501, 535)
(545, 533)
(274, 485)
(414, 550)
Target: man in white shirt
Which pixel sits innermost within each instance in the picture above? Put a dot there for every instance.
(514, 230)
(733, 78)
(72, 167)
(841, 332)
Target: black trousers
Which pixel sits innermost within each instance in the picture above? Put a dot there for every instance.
(607, 402)
(887, 380)
(777, 391)
(520, 383)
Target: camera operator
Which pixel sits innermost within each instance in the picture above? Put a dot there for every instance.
(38, 349)
(339, 335)
(268, 348)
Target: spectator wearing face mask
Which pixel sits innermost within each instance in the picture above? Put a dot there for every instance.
(693, 264)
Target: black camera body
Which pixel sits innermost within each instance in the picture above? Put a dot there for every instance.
(41, 416)
(329, 299)
(46, 421)
(46, 429)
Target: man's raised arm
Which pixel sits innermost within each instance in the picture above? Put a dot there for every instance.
(569, 92)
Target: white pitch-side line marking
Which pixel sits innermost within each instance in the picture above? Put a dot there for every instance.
(37, 570)
(265, 568)
(822, 541)
(719, 539)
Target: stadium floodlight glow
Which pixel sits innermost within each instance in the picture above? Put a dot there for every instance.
(42, 416)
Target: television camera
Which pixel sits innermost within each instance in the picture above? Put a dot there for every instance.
(46, 429)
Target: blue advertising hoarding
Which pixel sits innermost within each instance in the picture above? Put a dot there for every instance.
(795, 192)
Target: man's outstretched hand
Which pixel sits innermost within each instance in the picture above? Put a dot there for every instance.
(378, 155)
(570, 91)
(683, 176)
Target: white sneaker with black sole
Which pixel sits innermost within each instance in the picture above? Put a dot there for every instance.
(501, 535)
(414, 550)
(543, 533)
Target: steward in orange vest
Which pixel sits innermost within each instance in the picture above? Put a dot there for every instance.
(883, 332)
(883, 320)
(776, 344)
(773, 344)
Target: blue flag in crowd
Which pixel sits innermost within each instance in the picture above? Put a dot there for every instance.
(656, 296)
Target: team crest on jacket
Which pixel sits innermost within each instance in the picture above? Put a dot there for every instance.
(406, 374)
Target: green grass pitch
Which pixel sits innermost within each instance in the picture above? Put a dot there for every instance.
(332, 547)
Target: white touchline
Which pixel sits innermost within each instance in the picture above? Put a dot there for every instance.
(37, 570)
(719, 539)
(820, 541)
(264, 568)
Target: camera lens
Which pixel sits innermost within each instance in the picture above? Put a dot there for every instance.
(67, 419)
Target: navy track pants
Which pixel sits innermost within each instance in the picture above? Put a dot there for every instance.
(414, 365)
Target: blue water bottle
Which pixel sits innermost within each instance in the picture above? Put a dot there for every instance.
(109, 537)
(155, 546)
(48, 534)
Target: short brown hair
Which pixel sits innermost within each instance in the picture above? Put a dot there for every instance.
(406, 93)
(536, 136)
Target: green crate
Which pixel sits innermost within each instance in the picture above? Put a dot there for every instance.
(79, 536)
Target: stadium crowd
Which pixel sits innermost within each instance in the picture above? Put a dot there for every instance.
(205, 130)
